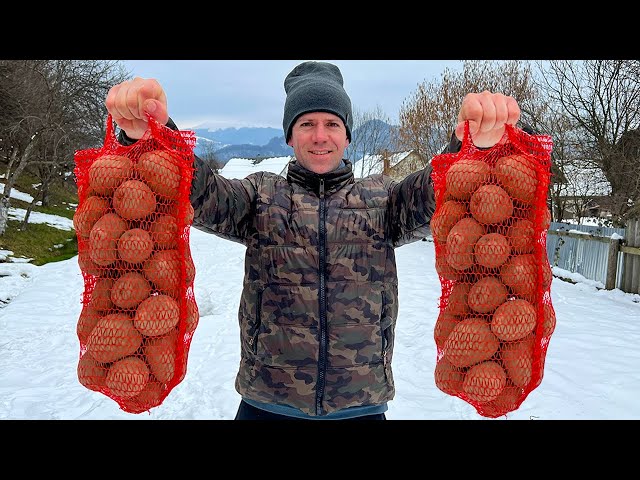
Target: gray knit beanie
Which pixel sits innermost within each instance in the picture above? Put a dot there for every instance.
(315, 87)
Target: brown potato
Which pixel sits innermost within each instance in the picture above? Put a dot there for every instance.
(90, 373)
(130, 289)
(106, 173)
(160, 353)
(513, 320)
(471, 341)
(87, 214)
(446, 217)
(490, 204)
(465, 176)
(164, 232)
(113, 337)
(448, 377)
(517, 174)
(135, 245)
(492, 250)
(157, 315)
(161, 171)
(517, 358)
(103, 238)
(484, 382)
(134, 200)
(127, 377)
(461, 242)
(487, 294)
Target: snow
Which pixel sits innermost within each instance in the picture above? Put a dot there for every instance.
(592, 368)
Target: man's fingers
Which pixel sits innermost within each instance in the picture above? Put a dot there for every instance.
(513, 109)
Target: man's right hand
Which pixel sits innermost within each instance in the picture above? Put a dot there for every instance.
(129, 102)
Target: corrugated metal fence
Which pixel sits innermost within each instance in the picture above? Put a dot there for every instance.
(586, 249)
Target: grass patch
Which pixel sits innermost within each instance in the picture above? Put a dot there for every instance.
(39, 242)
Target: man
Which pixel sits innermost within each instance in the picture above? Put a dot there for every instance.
(320, 299)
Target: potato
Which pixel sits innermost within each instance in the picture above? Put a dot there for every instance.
(87, 266)
(446, 217)
(164, 232)
(161, 356)
(106, 173)
(157, 315)
(471, 341)
(103, 239)
(484, 382)
(127, 377)
(448, 377)
(130, 289)
(101, 294)
(517, 174)
(549, 324)
(161, 171)
(134, 200)
(517, 358)
(443, 328)
(113, 337)
(88, 213)
(487, 294)
(509, 400)
(519, 273)
(88, 319)
(90, 373)
(461, 242)
(135, 245)
(445, 270)
(151, 396)
(193, 315)
(465, 176)
(490, 204)
(492, 250)
(457, 303)
(521, 236)
(513, 320)
(163, 268)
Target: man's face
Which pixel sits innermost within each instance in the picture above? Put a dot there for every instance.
(319, 140)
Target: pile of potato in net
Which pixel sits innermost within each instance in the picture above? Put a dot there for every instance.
(489, 230)
(132, 224)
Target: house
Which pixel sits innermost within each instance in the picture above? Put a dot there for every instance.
(397, 165)
(241, 167)
(581, 192)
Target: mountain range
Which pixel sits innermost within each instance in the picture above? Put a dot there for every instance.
(252, 142)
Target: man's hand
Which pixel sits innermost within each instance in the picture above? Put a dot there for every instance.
(487, 114)
(129, 102)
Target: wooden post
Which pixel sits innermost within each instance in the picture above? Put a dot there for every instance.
(632, 234)
(631, 260)
(612, 264)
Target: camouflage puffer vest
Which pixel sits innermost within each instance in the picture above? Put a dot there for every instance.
(320, 298)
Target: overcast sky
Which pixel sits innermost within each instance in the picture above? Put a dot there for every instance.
(241, 93)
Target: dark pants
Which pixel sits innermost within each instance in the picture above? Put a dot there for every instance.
(249, 412)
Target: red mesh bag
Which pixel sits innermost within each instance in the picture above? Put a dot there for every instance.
(489, 229)
(138, 306)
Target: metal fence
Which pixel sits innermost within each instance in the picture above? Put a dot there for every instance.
(586, 256)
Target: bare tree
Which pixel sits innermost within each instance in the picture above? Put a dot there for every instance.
(371, 136)
(208, 154)
(602, 99)
(430, 115)
(55, 107)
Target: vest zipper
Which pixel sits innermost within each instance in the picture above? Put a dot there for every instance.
(322, 254)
